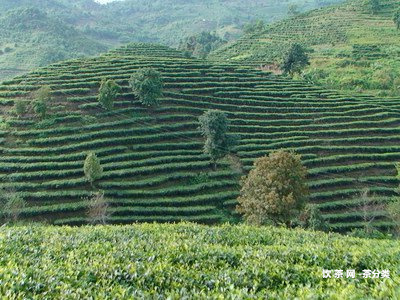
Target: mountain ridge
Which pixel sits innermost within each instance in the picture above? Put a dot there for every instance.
(103, 27)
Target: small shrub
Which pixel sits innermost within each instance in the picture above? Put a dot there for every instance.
(311, 218)
(396, 19)
(200, 178)
(20, 107)
(13, 204)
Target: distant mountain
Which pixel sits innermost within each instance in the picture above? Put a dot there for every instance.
(353, 46)
(37, 32)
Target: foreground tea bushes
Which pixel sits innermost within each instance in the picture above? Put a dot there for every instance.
(192, 261)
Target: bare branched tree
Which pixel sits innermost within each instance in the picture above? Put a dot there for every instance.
(367, 203)
(98, 208)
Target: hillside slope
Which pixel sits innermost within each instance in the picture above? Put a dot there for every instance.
(35, 39)
(153, 161)
(71, 29)
(180, 261)
(353, 48)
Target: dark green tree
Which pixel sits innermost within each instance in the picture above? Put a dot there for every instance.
(42, 98)
(108, 92)
(295, 60)
(375, 6)
(92, 168)
(200, 45)
(253, 27)
(20, 107)
(293, 10)
(214, 127)
(147, 85)
(396, 19)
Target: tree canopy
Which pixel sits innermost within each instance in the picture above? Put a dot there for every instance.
(214, 127)
(295, 59)
(92, 168)
(275, 189)
(108, 92)
(147, 85)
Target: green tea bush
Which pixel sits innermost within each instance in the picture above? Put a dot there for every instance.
(153, 261)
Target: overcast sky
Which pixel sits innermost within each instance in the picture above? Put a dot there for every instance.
(104, 1)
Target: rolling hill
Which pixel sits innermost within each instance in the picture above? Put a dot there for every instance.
(154, 169)
(352, 48)
(32, 38)
(39, 32)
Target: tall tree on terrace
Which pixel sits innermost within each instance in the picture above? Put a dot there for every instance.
(92, 168)
(275, 190)
(375, 6)
(108, 92)
(214, 127)
(147, 85)
(396, 19)
(295, 60)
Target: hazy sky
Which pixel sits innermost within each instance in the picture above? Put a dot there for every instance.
(104, 1)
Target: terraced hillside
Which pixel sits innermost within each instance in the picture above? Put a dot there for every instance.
(352, 47)
(154, 169)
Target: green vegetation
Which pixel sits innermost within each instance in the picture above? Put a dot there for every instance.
(295, 60)
(200, 45)
(254, 27)
(192, 261)
(147, 86)
(275, 190)
(154, 168)
(351, 48)
(214, 128)
(396, 19)
(20, 108)
(311, 218)
(375, 6)
(92, 168)
(11, 204)
(108, 92)
(41, 101)
(35, 33)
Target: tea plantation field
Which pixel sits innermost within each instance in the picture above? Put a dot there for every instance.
(154, 169)
(352, 47)
(185, 261)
